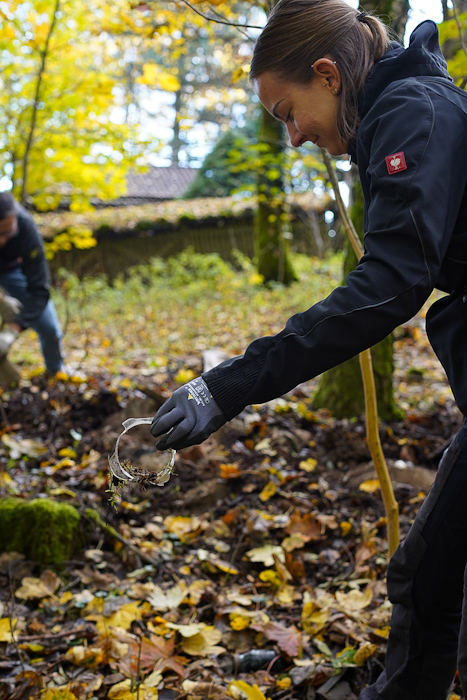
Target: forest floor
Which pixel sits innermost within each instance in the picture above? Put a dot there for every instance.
(257, 571)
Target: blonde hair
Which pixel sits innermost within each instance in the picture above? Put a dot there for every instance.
(299, 32)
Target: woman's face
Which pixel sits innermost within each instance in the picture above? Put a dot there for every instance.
(309, 112)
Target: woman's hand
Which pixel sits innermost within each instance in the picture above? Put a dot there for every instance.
(188, 417)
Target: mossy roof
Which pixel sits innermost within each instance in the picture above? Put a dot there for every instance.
(129, 218)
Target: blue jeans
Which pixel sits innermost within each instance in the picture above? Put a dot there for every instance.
(47, 326)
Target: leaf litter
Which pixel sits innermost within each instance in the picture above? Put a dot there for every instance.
(267, 573)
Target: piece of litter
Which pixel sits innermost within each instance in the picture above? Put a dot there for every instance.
(130, 473)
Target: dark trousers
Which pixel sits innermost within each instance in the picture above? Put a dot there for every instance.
(426, 586)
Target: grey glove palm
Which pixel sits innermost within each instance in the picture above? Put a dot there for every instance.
(9, 307)
(188, 417)
(7, 338)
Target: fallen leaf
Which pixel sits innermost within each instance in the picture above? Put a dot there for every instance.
(167, 600)
(204, 643)
(249, 691)
(268, 491)
(289, 639)
(25, 446)
(43, 587)
(128, 690)
(265, 555)
(370, 486)
(364, 652)
(354, 600)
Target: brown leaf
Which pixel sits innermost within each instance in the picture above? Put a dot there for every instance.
(289, 639)
(307, 526)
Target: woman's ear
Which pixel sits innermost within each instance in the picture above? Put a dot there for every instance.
(327, 72)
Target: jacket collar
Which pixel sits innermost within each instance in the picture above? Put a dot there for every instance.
(423, 57)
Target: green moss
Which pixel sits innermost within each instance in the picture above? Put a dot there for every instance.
(43, 530)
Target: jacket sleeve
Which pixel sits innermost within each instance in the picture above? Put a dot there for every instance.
(36, 270)
(408, 226)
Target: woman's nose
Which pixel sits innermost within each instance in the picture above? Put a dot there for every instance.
(295, 137)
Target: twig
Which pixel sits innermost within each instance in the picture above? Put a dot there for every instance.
(92, 515)
(371, 408)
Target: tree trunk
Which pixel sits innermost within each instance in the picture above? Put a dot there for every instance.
(271, 236)
(341, 388)
(35, 104)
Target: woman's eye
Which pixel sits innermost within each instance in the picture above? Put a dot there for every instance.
(288, 117)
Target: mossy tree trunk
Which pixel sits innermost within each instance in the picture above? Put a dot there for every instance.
(272, 237)
(341, 388)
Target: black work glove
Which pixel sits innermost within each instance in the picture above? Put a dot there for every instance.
(188, 417)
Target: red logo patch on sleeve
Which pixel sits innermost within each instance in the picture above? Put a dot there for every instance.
(396, 163)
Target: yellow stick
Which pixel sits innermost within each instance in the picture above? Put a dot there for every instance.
(366, 366)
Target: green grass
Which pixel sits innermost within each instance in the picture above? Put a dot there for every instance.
(176, 308)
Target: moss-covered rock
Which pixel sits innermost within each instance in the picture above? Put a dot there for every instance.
(43, 530)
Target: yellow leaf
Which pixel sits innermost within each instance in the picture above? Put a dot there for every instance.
(370, 486)
(314, 620)
(7, 625)
(57, 694)
(252, 692)
(286, 595)
(67, 452)
(308, 465)
(222, 565)
(187, 630)
(265, 555)
(355, 599)
(90, 657)
(239, 622)
(346, 527)
(127, 690)
(183, 527)
(268, 491)
(123, 617)
(295, 541)
(364, 653)
(63, 463)
(43, 587)
(204, 643)
(270, 576)
(5, 479)
(168, 600)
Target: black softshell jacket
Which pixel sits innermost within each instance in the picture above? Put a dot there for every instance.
(411, 151)
(26, 250)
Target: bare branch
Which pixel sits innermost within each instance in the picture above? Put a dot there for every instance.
(220, 21)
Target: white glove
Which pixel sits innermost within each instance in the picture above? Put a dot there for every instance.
(7, 338)
(9, 307)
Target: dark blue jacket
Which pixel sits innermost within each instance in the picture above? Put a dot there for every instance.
(411, 151)
(26, 251)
